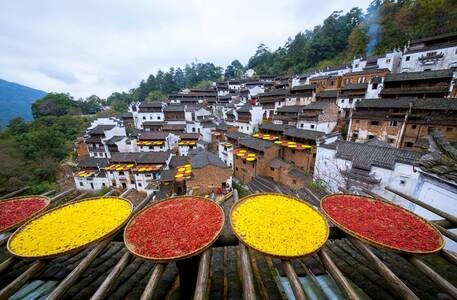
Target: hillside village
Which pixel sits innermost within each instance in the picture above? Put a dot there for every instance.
(384, 121)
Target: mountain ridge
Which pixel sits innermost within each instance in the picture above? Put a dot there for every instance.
(16, 100)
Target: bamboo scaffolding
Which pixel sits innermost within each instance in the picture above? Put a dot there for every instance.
(337, 275)
(402, 289)
(442, 283)
(434, 210)
(15, 193)
(295, 284)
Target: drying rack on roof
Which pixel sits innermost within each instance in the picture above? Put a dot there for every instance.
(107, 270)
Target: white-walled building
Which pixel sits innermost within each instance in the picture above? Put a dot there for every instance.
(318, 116)
(246, 118)
(154, 141)
(389, 60)
(225, 152)
(187, 142)
(90, 175)
(106, 135)
(371, 166)
(429, 54)
(147, 112)
(272, 100)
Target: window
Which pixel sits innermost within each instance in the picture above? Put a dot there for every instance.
(312, 126)
(402, 182)
(247, 127)
(293, 151)
(342, 100)
(409, 144)
(150, 117)
(449, 129)
(253, 166)
(144, 118)
(331, 82)
(301, 125)
(81, 184)
(375, 85)
(387, 60)
(121, 172)
(370, 137)
(272, 169)
(103, 184)
(294, 181)
(193, 129)
(390, 141)
(374, 123)
(356, 65)
(139, 184)
(244, 162)
(393, 123)
(236, 168)
(357, 121)
(431, 54)
(408, 58)
(158, 117)
(413, 126)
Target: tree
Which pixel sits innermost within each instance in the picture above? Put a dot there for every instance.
(229, 72)
(16, 126)
(357, 42)
(55, 104)
(156, 96)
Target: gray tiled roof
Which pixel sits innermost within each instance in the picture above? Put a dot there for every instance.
(236, 135)
(112, 141)
(421, 103)
(93, 162)
(318, 105)
(327, 94)
(203, 158)
(100, 129)
(274, 127)
(140, 157)
(355, 86)
(419, 75)
(245, 108)
(189, 136)
(303, 133)
(365, 156)
(255, 144)
(174, 108)
(291, 109)
(153, 135)
(304, 87)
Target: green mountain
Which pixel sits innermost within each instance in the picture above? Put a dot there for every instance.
(16, 100)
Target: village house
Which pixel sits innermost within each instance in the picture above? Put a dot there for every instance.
(348, 97)
(255, 87)
(319, 116)
(251, 157)
(331, 71)
(344, 166)
(218, 134)
(209, 174)
(147, 112)
(106, 135)
(389, 60)
(403, 122)
(326, 82)
(431, 53)
(272, 100)
(418, 84)
(274, 129)
(301, 95)
(138, 170)
(187, 142)
(128, 120)
(153, 141)
(194, 96)
(246, 118)
(176, 114)
(288, 115)
(91, 175)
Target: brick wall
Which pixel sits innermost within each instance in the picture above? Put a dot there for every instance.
(208, 176)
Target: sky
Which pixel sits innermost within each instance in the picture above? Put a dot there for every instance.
(88, 47)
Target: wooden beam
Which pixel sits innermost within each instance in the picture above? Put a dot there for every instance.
(9, 195)
(107, 284)
(17, 283)
(48, 193)
(450, 256)
(295, 284)
(62, 194)
(444, 285)
(153, 281)
(5, 237)
(400, 288)
(202, 286)
(246, 267)
(434, 210)
(337, 275)
(7, 263)
(447, 233)
(71, 278)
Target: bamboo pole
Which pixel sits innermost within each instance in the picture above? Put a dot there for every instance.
(444, 285)
(9, 195)
(313, 278)
(337, 275)
(48, 193)
(4, 239)
(17, 283)
(450, 256)
(295, 284)
(201, 288)
(246, 267)
(105, 287)
(153, 281)
(62, 194)
(7, 263)
(434, 210)
(400, 288)
(71, 278)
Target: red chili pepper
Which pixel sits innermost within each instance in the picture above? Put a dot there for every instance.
(175, 227)
(381, 222)
(17, 210)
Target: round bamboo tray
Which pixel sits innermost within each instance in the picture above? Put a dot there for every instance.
(131, 247)
(54, 255)
(376, 243)
(19, 223)
(244, 199)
